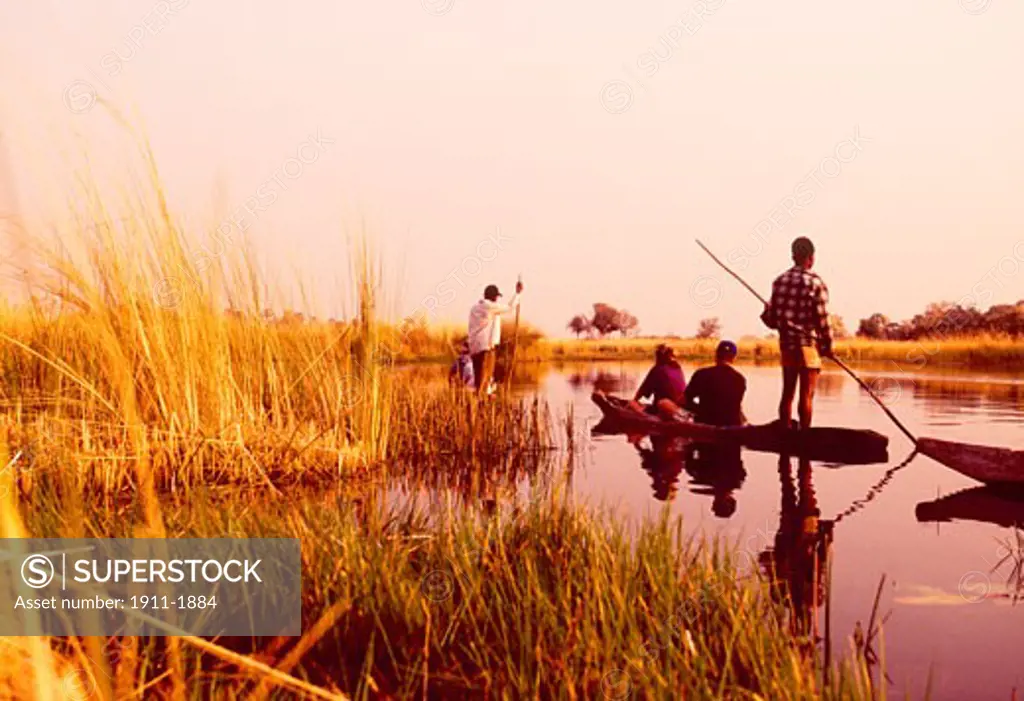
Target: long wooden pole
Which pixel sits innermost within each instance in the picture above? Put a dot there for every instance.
(837, 361)
(515, 337)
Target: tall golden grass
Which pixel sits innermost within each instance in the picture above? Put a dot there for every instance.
(134, 405)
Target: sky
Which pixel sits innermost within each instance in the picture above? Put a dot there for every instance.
(582, 145)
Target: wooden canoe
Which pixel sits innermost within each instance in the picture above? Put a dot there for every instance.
(835, 445)
(1001, 467)
(981, 504)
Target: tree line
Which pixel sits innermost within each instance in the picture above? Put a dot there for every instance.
(607, 319)
(946, 319)
(939, 320)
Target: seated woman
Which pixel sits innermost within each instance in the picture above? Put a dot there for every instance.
(665, 383)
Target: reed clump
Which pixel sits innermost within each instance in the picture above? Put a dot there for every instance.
(537, 598)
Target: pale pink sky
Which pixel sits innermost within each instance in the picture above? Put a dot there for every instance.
(553, 123)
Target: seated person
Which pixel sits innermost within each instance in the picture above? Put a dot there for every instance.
(665, 383)
(715, 394)
(461, 371)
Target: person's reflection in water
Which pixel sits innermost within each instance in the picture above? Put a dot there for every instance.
(663, 461)
(716, 469)
(797, 563)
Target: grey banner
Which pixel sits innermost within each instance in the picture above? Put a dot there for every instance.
(189, 586)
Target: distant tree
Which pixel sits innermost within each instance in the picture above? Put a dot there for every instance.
(838, 326)
(709, 328)
(579, 324)
(874, 326)
(898, 331)
(627, 323)
(605, 319)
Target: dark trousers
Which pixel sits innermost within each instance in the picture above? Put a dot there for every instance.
(483, 369)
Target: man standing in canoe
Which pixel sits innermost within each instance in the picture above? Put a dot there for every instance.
(798, 311)
(715, 394)
(485, 332)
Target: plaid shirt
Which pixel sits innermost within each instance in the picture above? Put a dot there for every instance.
(799, 297)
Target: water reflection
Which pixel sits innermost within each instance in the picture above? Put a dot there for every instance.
(796, 562)
(955, 394)
(715, 470)
(881, 534)
(830, 384)
(987, 505)
(663, 462)
(981, 504)
(524, 376)
(603, 380)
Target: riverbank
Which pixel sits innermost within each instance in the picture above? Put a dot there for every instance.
(984, 353)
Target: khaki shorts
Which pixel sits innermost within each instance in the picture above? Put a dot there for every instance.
(804, 358)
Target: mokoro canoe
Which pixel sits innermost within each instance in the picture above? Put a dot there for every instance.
(835, 445)
(981, 504)
(1001, 467)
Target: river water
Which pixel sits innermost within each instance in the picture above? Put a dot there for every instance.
(949, 566)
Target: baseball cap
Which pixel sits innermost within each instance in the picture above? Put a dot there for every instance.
(492, 291)
(726, 348)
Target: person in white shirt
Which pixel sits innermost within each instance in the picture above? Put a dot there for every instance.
(485, 332)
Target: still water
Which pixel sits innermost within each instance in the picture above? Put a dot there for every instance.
(949, 583)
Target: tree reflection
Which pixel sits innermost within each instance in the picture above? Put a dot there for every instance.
(603, 380)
